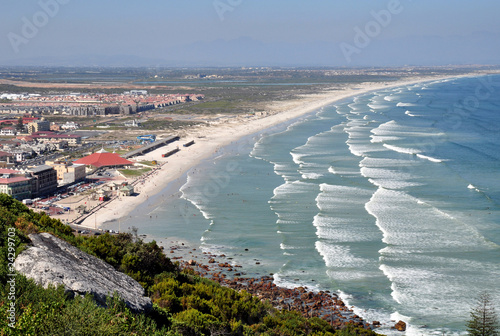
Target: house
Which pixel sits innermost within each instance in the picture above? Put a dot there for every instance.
(20, 155)
(8, 131)
(6, 160)
(70, 125)
(103, 195)
(25, 138)
(126, 190)
(4, 156)
(132, 123)
(55, 127)
(112, 186)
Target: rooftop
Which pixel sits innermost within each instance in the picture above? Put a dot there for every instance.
(103, 159)
(39, 169)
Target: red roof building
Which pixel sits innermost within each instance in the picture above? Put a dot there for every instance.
(104, 159)
(4, 171)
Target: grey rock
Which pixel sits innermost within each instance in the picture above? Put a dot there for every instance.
(53, 261)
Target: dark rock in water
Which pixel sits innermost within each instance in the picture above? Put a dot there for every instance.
(53, 261)
(400, 326)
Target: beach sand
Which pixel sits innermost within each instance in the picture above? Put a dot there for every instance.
(212, 137)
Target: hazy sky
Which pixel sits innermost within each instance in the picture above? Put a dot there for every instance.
(249, 32)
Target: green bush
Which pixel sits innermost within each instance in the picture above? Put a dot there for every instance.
(194, 322)
(52, 311)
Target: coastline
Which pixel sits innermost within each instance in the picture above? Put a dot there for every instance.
(189, 250)
(209, 139)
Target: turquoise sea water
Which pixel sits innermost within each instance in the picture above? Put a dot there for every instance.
(391, 199)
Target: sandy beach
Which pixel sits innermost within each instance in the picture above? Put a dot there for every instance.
(211, 137)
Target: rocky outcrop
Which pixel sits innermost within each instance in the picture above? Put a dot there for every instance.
(400, 326)
(53, 261)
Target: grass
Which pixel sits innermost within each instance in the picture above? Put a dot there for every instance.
(217, 105)
(166, 124)
(134, 172)
(148, 163)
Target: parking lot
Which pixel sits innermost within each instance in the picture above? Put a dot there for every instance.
(72, 201)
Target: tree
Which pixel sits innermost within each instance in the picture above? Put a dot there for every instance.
(20, 124)
(484, 320)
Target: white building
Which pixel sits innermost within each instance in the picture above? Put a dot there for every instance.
(8, 131)
(20, 155)
(139, 92)
(70, 125)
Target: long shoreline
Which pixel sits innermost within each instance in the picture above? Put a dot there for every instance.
(210, 139)
(199, 256)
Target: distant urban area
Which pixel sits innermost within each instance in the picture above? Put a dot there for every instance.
(99, 104)
(38, 156)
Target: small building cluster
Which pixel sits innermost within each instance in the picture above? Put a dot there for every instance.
(44, 179)
(18, 151)
(121, 189)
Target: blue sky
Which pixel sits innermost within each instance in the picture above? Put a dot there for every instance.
(249, 32)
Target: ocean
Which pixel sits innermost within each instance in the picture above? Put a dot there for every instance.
(390, 198)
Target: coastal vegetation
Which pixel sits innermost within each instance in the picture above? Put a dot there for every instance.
(484, 320)
(162, 123)
(183, 303)
(149, 163)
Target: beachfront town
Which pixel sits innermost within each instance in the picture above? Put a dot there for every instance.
(67, 174)
(98, 104)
